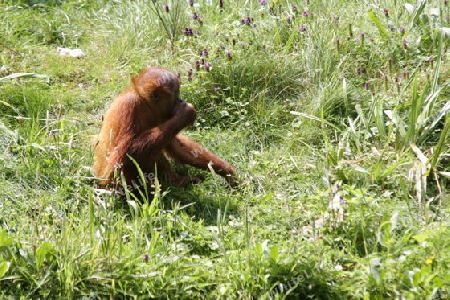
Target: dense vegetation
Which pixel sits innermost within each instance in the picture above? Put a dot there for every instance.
(339, 102)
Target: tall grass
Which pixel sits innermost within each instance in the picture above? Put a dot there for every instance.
(312, 102)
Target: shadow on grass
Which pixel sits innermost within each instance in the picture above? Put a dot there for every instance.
(201, 204)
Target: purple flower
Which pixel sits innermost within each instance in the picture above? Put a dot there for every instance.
(386, 12)
(216, 89)
(263, 2)
(302, 28)
(195, 16)
(402, 30)
(145, 257)
(229, 54)
(247, 21)
(204, 52)
(366, 85)
(197, 65)
(188, 32)
(191, 2)
(207, 66)
(221, 3)
(166, 7)
(305, 13)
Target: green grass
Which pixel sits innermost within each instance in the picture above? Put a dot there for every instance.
(353, 107)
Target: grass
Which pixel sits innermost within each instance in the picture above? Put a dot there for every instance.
(312, 102)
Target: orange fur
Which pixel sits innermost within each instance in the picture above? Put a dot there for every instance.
(144, 122)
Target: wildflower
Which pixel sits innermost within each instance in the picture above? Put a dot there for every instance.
(229, 54)
(221, 3)
(204, 52)
(188, 32)
(366, 85)
(216, 89)
(305, 13)
(166, 8)
(294, 8)
(190, 73)
(405, 44)
(289, 19)
(302, 28)
(207, 66)
(195, 16)
(247, 21)
(402, 30)
(386, 12)
(263, 2)
(191, 2)
(145, 257)
(197, 65)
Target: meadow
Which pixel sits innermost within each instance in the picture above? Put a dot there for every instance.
(334, 112)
